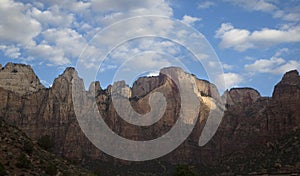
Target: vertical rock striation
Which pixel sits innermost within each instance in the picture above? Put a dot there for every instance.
(249, 119)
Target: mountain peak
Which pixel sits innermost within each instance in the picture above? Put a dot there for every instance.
(19, 78)
(70, 72)
(291, 77)
(289, 86)
(245, 96)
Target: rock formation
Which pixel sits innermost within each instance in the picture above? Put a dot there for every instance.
(19, 155)
(19, 78)
(249, 118)
(244, 96)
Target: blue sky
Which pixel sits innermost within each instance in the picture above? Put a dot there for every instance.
(254, 41)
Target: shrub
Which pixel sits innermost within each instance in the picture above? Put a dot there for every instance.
(183, 170)
(28, 147)
(23, 162)
(51, 169)
(2, 170)
(46, 143)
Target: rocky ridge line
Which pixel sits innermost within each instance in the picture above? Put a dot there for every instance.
(249, 118)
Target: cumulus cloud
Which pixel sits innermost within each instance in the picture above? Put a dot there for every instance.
(148, 63)
(189, 20)
(115, 10)
(57, 31)
(227, 66)
(15, 25)
(254, 5)
(270, 7)
(243, 39)
(229, 79)
(273, 65)
(153, 73)
(52, 17)
(206, 4)
(70, 41)
(54, 55)
(10, 51)
(281, 52)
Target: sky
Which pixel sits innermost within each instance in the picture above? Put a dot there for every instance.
(238, 43)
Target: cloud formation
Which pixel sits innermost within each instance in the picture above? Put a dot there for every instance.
(189, 20)
(230, 79)
(55, 32)
(267, 6)
(206, 4)
(243, 39)
(275, 65)
(12, 26)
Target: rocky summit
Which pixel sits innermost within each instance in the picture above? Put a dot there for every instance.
(250, 121)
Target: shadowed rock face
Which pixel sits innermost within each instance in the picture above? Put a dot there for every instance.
(36, 161)
(243, 96)
(249, 118)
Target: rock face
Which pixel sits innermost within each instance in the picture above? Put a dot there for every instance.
(249, 118)
(288, 87)
(21, 156)
(244, 96)
(19, 78)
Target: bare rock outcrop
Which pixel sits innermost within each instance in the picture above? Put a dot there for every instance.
(288, 88)
(249, 119)
(19, 78)
(244, 96)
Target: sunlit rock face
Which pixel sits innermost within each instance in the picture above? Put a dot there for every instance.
(249, 119)
(19, 78)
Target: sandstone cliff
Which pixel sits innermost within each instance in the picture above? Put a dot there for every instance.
(19, 78)
(19, 155)
(249, 119)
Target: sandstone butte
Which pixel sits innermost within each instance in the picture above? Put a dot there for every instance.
(249, 118)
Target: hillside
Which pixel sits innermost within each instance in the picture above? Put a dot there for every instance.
(21, 156)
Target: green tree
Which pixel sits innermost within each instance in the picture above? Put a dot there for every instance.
(183, 170)
(51, 169)
(46, 143)
(23, 162)
(28, 147)
(2, 170)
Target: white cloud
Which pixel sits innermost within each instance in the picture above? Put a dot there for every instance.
(265, 65)
(57, 31)
(268, 6)
(144, 62)
(255, 5)
(230, 80)
(114, 10)
(153, 73)
(242, 39)
(106, 67)
(10, 51)
(15, 25)
(46, 52)
(206, 4)
(70, 41)
(189, 20)
(73, 6)
(53, 17)
(273, 65)
(227, 66)
(281, 51)
(45, 83)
